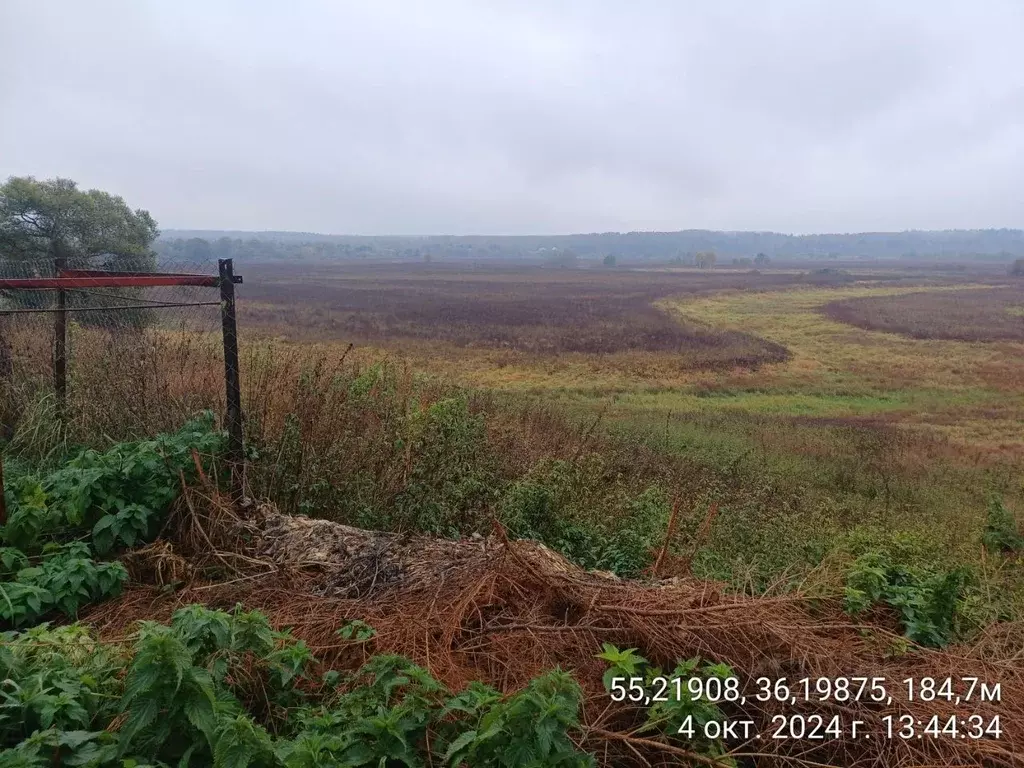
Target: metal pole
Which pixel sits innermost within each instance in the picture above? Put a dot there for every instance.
(60, 333)
(3, 502)
(231, 378)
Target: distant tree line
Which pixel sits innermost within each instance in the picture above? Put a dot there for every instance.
(677, 247)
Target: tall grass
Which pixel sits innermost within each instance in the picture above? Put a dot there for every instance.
(332, 433)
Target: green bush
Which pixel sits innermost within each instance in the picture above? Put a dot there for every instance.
(925, 601)
(570, 507)
(119, 498)
(223, 688)
(450, 481)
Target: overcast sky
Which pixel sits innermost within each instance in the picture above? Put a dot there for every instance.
(380, 117)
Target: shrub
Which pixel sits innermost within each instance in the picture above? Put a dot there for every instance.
(571, 508)
(1001, 533)
(926, 602)
(223, 688)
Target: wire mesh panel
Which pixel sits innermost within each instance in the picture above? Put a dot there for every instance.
(139, 357)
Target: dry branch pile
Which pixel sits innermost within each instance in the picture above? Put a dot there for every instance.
(503, 611)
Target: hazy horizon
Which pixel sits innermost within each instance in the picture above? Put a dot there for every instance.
(218, 230)
(533, 118)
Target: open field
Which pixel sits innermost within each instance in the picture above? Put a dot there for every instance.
(683, 341)
(969, 391)
(842, 506)
(528, 310)
(887, 432)
(529, 327)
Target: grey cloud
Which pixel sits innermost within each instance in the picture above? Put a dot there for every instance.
(502, 117)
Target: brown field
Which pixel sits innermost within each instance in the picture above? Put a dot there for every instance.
(969, 315)
(538, 311)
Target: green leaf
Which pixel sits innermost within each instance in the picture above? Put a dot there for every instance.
(454, 754)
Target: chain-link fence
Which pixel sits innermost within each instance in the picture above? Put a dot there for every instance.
(108, 354)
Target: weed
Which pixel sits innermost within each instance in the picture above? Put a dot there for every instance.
(118, 497)
(926, 602)
(574, 509)
(180, 698)
(1001, 533)
(674, 704)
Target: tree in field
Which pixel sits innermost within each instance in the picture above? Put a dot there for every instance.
(706, 259)
(46, 225)
(609, 260)
(761, 258)
(1017, 270)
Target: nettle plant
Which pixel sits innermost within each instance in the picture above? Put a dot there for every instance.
(94, 505)
(679, 703)
(225, 689)
(927, 602)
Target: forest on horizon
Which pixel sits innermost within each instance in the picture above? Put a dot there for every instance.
(982, 244)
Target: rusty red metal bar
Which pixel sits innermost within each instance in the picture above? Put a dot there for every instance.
(94, 278)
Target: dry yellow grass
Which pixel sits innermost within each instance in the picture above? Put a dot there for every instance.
(968, 391)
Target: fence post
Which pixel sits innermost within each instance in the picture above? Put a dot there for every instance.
(3, 502)
(60, 341)
(232, 383)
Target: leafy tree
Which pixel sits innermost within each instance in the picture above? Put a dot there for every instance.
(48, 224)
(609, 260)
(45, 221)
(198, 249)
(1017, 270)
(761, 258)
